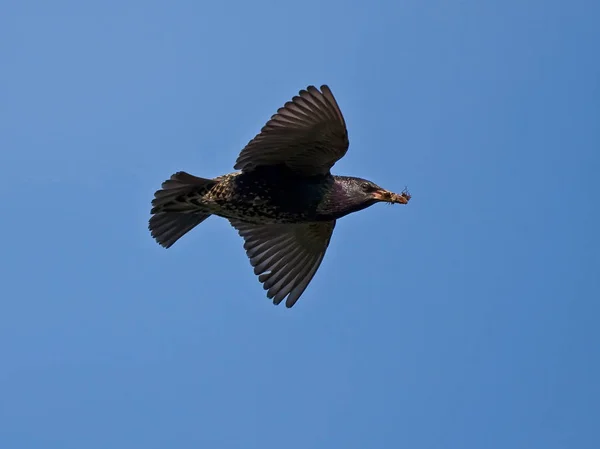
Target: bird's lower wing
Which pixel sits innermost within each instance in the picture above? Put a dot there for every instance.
(285, 257)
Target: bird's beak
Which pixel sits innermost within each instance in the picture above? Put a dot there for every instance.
(391, 197)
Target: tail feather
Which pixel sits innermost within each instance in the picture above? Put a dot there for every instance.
(173, 215)
(168, 227)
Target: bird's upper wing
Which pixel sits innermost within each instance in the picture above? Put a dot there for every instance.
(308, 134)
(285, 256)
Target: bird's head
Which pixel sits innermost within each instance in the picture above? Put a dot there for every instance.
(355, 194)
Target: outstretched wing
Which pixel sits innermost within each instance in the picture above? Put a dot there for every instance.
(285, 256)
(308, 134)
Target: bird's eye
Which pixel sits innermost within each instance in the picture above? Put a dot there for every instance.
(366, 186)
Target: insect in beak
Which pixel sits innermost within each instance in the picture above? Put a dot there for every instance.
(391, 197)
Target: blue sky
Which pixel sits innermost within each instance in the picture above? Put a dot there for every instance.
(467, 319)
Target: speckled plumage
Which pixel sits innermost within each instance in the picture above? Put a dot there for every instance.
(284, 201)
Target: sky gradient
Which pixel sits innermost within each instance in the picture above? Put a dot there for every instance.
(466, 319)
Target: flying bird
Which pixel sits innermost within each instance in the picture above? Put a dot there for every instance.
(283, 200)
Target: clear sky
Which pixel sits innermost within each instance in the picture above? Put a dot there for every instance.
(466, 319)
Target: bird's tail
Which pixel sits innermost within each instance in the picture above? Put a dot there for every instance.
(175, 207)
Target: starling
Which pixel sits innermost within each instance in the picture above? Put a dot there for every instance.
(283, 201)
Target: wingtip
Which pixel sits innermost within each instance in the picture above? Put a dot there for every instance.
(321, 89)
(288, 304)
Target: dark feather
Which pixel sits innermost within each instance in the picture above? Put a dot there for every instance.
(285, 256)
(308, 134)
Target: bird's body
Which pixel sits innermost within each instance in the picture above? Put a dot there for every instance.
(275, 196)
(269, 195)
(284, 201)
